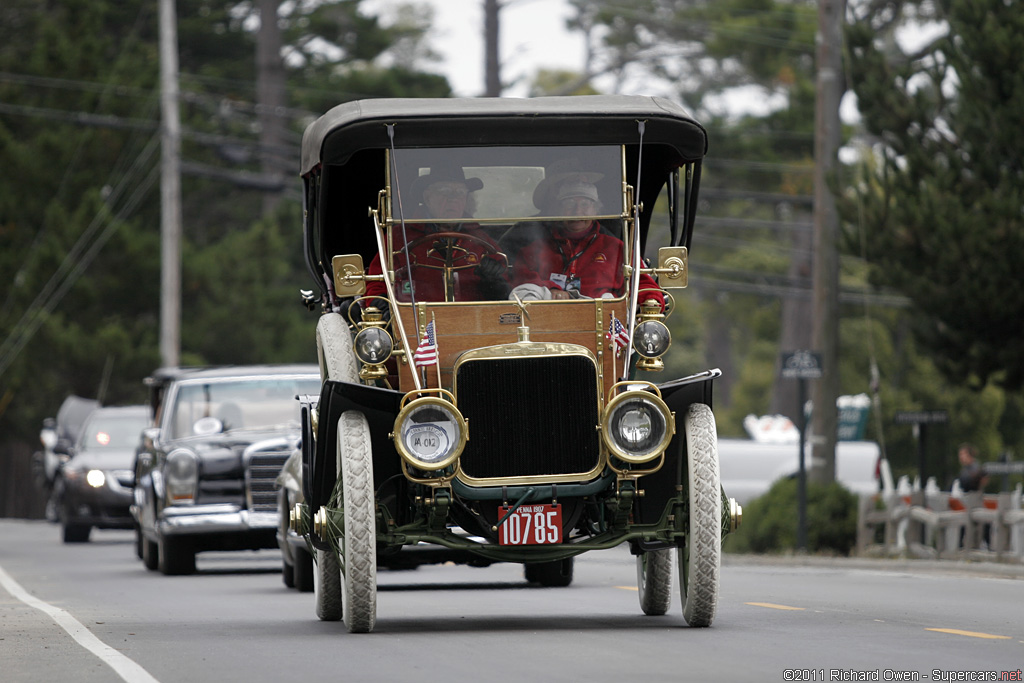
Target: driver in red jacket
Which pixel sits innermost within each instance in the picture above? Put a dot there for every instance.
(478, 274)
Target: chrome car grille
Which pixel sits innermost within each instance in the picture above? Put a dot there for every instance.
(126, 478)
(529, 416)
(263, 464)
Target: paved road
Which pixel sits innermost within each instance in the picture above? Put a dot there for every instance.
(235, 621)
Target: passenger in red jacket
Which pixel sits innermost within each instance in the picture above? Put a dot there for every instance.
(473, 272)
(578, 257)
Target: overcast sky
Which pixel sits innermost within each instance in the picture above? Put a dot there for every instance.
(533, 36)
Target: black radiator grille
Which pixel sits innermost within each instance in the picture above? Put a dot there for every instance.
(529, 416)
(261, 479)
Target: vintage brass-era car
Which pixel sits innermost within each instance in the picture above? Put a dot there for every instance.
(484, 364)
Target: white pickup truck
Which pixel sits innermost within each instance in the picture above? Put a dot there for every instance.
(749, 467)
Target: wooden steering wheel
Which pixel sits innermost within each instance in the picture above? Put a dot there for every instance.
(452, 263)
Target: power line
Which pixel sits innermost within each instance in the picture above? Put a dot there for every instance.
(754, 224)
(72, 267)
(755, 195)
(783, 290)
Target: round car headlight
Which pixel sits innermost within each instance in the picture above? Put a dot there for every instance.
(373, 345)
(637, 427)
(181, 475)
(95, 478)
(430, 433)
(651, 339)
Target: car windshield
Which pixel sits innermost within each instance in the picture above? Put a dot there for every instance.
(239, 403)
(454, 208)
(121, 431)
(505, 182)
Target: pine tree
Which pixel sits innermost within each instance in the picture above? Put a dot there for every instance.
(942, 207)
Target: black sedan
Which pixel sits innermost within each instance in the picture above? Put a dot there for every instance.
(206, 475)
(94, 487)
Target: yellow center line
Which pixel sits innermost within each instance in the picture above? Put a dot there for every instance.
(628, 588)
(971, 634)
(772, 605)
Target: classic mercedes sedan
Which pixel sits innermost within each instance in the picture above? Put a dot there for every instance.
(205, 477)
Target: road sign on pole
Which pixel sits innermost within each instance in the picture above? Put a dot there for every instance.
(801, 365)
(921, 419)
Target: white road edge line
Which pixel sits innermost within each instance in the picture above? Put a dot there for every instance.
(126, 668)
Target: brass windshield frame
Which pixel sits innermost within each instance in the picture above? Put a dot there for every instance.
(392, 198)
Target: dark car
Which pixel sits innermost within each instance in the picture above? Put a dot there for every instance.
(58, 437)
(94, 487)
(205, 478)
(489, 316)
(296, 560)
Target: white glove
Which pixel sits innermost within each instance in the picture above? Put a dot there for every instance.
(530, 292)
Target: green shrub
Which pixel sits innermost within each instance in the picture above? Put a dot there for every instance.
(770, 522)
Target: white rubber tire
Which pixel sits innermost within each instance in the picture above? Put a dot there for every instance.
(334, 349)
(358, 542)
(700, 561)
(654, 581)
(327, 586)
(337, 362)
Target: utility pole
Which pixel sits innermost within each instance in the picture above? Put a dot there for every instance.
(825, 338)
(270, 97)
(170, 188)
(492, 65)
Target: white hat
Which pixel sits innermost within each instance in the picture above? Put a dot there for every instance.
(577, 189)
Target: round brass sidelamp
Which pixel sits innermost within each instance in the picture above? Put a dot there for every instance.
(373, 345)
(651, 338)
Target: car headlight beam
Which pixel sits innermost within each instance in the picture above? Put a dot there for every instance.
(637, 426)
(430, 433)
(96, 478)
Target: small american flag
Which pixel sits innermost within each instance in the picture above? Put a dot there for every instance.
(617, 334)
(426, 352)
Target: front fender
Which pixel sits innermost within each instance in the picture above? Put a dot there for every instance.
(661, 486)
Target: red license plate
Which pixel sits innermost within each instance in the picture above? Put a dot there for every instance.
(531, 525)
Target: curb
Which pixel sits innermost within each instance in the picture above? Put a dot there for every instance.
(1013, 570)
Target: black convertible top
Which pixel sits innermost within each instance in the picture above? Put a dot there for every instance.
(595, 119)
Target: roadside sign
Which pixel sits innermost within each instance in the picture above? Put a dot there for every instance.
(996, 467)
(921, 417)
(801, 365)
